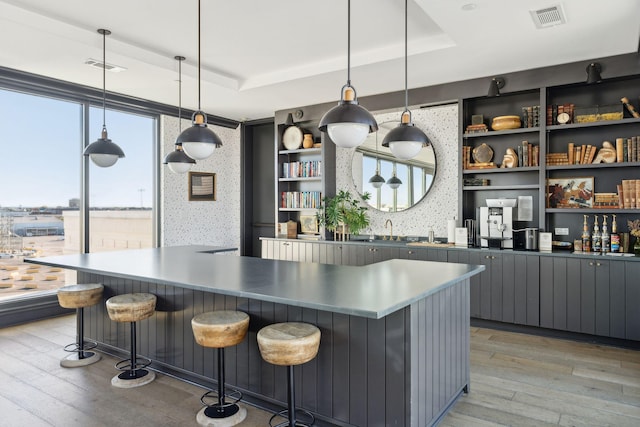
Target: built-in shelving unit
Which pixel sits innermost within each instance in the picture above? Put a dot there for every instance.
(551, 137)
(300, 191)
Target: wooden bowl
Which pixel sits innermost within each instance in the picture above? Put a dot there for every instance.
(505, 122)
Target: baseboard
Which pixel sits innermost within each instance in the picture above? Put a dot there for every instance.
(554, 333)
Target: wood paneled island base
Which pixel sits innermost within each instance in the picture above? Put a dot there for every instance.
(395, 335)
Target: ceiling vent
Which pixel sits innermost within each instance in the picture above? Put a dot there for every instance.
(548, 17)
(99, 64)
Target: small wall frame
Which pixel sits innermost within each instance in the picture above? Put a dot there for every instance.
(202, 186)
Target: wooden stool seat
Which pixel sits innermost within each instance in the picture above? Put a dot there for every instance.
(82, 295)
(131, 307)
(219, 329)
(78, 297)
(290, 343)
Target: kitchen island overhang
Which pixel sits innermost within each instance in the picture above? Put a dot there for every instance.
(395, 335)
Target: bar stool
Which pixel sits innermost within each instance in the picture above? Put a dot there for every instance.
(79, 297)
(132, 308)
(220, 329)
(289, 344)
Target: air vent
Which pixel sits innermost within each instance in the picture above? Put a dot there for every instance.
(548, 17)
(109, 67)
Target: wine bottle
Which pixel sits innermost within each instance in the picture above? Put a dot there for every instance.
(615, 237)
(605, 235)
(586, 238)
(596, 237)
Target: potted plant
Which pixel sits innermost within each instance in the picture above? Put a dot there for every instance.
(343, 214)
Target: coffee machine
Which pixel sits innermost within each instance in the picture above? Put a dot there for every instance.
(496, 223)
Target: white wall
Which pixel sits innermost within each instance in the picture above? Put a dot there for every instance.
(441, 126)
(186, 222)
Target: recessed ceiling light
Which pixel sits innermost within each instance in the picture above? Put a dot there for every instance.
(108, 67)
(469, 6)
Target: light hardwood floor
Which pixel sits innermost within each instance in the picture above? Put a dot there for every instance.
(516, 380)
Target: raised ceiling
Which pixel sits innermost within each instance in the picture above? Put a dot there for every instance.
(261, 56)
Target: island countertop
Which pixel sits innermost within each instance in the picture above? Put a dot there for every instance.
(371, 291)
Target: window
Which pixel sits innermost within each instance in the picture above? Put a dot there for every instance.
(41, 138)
(40, 183)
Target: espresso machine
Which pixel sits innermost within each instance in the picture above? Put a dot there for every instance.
(496, 223)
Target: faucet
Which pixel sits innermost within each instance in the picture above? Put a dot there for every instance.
(388, 222)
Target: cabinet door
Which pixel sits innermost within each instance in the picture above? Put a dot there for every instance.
(267, 249)
(486, 291)
(553, 292)
(632, 286)
(521, 289)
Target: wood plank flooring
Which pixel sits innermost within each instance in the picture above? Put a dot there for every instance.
(516, 380)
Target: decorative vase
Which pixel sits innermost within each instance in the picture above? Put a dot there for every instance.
(307, 142)
(636, 247)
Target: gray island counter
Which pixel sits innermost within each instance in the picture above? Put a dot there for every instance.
(395, 335)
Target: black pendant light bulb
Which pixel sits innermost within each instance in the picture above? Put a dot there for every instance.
(198, 141)
(405, 141)
(348, 124)
(177, 160)
(377, 180)
(103, 152)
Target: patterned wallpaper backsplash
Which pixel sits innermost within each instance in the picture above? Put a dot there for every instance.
(201, 222)
(440, 123)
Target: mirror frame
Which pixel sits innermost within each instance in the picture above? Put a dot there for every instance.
(384, 153)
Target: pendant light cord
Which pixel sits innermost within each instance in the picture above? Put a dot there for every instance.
(104, 79)
(406, 87)
(199, 79)
(180, 59)
(349, 43)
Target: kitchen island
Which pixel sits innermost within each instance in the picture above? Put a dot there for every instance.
(395, 335)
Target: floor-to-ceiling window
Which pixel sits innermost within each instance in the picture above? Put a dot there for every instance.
(41, 181)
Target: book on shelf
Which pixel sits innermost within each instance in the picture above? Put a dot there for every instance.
(571, 152)
(483, 165)
(481, 128)
(475, 182)
(630, 193)
(605, 201)
(556, 159)
(619, 150)
(620, 196)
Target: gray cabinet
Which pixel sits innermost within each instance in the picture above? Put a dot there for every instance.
(589, 296)
(597, 296)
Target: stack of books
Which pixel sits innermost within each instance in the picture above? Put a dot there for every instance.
(629, 194)
(477, 128)
(605, 201)
(554, 159)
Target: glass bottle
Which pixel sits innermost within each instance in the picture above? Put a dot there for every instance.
(615, 237)
(596, 237)
(586, 238)
(605, 235)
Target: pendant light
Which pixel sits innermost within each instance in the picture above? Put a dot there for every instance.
(376, 180)
(177, 160)
(394, 182)
(405, 141)
(103, 152)
(199, 141)
(348, 124)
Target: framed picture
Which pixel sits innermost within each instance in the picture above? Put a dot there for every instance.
(308, 224)
(570, 192)
(202, 186)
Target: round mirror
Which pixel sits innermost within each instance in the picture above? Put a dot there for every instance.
(416, 175)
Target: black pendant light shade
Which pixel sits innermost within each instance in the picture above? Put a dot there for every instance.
(198, 141)
(593, 73)
(177, 160)
(405, 141)
(103, 152)
(496, 84)
(394, 182)
(348, 123)
(376, 180)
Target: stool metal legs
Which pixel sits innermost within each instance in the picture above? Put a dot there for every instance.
(291, 406)
(221, 409)
(133, 374)
(81, 355)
